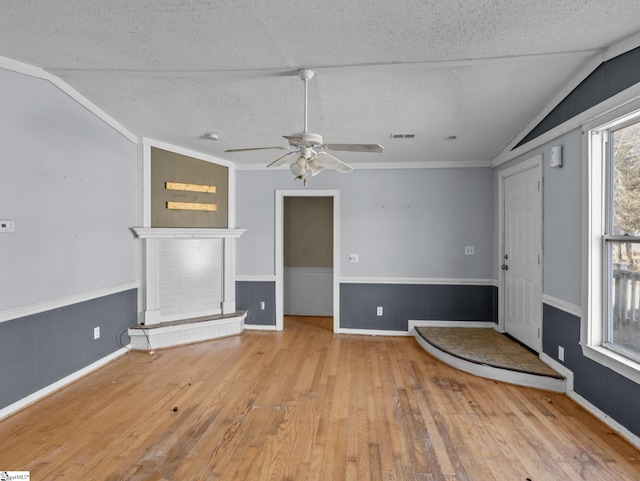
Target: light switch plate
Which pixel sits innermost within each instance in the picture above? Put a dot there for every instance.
(7, 226)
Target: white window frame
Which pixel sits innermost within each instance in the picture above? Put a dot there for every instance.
(595, 266)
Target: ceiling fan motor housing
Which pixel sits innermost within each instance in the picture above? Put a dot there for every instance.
(305, 139)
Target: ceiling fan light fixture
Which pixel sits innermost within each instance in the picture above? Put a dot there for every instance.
(299, 167)
(314, 167)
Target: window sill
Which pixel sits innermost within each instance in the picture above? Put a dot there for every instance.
(614, 361)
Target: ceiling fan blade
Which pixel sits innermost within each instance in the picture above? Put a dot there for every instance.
(281, 160)
(355, 147)
(333, 163)
(258, 148)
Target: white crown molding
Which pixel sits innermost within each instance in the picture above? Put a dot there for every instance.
(37, 308)
(188, 152)
(469, 164)
(36, 72)
(625, 96)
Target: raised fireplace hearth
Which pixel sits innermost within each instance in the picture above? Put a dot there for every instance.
(189, 286)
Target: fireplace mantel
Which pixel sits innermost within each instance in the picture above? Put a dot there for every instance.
(189, 272)
(186, 233)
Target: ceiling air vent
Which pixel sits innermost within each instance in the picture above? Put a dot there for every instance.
(403, 136)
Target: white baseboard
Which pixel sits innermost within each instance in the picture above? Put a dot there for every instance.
(559, 368)
(605, 418)
(373, 332)
(56, 386)
(477, 324)
(260, 327)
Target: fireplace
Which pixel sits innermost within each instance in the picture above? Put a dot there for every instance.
(189, 286)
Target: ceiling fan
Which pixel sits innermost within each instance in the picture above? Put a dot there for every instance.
(310, 148)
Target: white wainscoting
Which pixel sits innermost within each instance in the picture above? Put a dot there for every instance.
(308, 291)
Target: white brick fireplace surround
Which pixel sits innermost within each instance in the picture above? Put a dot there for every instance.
(189, 287)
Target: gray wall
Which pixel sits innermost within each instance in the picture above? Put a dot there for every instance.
(610, 392)
(40, 349)
(562, 218)
(402, 223)
(70, 183)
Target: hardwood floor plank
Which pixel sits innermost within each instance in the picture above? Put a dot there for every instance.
(306, 404)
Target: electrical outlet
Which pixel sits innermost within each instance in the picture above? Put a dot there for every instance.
(263, 305)
(379, 311)
(354, 258)
(96, 332)
(468, 250)
(561, 353)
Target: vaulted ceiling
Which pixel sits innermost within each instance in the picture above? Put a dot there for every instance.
(173, 70)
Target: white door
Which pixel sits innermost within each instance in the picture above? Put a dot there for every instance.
(522, 263)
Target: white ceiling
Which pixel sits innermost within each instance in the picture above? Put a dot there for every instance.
(171, 70)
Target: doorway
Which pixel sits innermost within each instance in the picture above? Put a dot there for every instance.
(521, 253)
(286, 275)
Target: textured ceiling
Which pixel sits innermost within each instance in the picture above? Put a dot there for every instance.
(173, 70)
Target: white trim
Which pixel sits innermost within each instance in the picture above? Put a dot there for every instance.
(471, 324)
(279, 250)
(26, 69)
(619, 48)
(372, 332)
(465, 164)
(260, 327)
(418, 280)
(186, 233)
(560, 369)
(605, 418)
(493, 372)
(603, 108)
(31, 309)
(532, 163)
(188, 152)
(56, 386)
(163, 336)
(593, 257)
(564, 306)
(255, 278)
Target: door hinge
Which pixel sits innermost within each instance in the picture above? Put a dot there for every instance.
(538, 333)
(538, 259)
(538, 186)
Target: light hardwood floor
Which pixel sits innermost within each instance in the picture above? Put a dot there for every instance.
(305, 404)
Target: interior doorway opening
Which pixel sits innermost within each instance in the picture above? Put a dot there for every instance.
(307, 257)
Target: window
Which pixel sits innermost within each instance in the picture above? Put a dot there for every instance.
(622, 239)
(611, 334)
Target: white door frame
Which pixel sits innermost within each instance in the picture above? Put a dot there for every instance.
(279, 254)
(528, 164)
